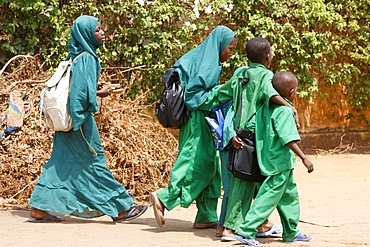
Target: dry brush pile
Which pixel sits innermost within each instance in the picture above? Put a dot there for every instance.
(140, 152)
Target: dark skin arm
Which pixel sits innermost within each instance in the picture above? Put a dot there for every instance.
(102, 91)
(280, 100)
(295, 148)
(237, 142)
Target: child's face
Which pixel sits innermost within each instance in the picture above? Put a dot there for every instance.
(269, 59)
(99, 33)
(293, 93)
(228, 51)
(293, 88)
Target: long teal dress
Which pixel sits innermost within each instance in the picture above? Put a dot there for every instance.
(76, 179)
(196, 173)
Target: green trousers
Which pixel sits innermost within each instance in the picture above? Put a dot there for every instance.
(196, 174)
(226, 181)
(277, 191)
(241, 196)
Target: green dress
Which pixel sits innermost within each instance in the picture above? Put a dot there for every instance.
(76, 180)
(196, 172)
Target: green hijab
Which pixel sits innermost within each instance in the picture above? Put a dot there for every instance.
(200, 68)
(83, 38)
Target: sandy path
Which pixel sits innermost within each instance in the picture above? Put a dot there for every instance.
(335, 198)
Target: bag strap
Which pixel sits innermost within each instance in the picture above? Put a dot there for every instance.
(91, 148)
(74, 60)
(244, 82)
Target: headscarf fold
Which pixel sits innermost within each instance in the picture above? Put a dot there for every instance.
(200, 68)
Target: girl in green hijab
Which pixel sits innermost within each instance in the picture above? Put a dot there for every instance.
(76, 179)
(196, 172)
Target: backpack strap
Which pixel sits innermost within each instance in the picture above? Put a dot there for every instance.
(74, 60)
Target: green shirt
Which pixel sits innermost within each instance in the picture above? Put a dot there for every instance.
(275, 127)
(255, 93)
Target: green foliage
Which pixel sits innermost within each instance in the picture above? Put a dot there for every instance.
(318, 40)
(314, 39)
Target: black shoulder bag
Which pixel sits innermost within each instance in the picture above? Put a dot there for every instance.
(242, 163)
(171, 110)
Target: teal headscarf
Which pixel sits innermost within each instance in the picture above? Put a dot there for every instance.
(200, 68)
(83, 36)
(85, 70)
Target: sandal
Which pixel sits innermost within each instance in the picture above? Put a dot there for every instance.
(301, 237)
(50, 218)
(249, 241)
(158, 210)
(275, 229)
(129, 215)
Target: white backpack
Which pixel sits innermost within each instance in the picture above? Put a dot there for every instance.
(54, 98)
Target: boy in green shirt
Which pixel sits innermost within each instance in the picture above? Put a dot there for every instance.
(276, 144)
(257, 92)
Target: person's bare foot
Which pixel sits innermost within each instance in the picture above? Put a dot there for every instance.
(40, 215)
(131, 214)
(219, 230)
(265, 226)
(205, 225)
(227, 235)
(227, 232)
(267, 229)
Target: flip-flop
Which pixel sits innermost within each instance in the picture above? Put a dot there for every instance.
(129, 215)
(275, 229)
(51, 218)
(227, 238)
(249, 241)
(158, 213)
(301, 237)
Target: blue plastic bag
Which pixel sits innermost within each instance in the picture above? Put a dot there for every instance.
(216, 125)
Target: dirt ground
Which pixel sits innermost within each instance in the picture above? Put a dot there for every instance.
(335, 210)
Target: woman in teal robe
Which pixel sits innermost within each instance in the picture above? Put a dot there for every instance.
(76, 179)
(196, 172)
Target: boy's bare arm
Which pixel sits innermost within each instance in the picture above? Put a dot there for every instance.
(295, 148)
(281, 101)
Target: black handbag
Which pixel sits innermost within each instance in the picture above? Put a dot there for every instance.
(242, 163)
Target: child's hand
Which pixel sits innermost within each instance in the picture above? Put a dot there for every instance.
(103, 92)
(237, 142)
(101, 84)
(308, 164)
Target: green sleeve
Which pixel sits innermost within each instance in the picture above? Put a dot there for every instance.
(285, 126)
(211, 101)
(230, 90)
(267, 88)
(82, 96)
(229, 128)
